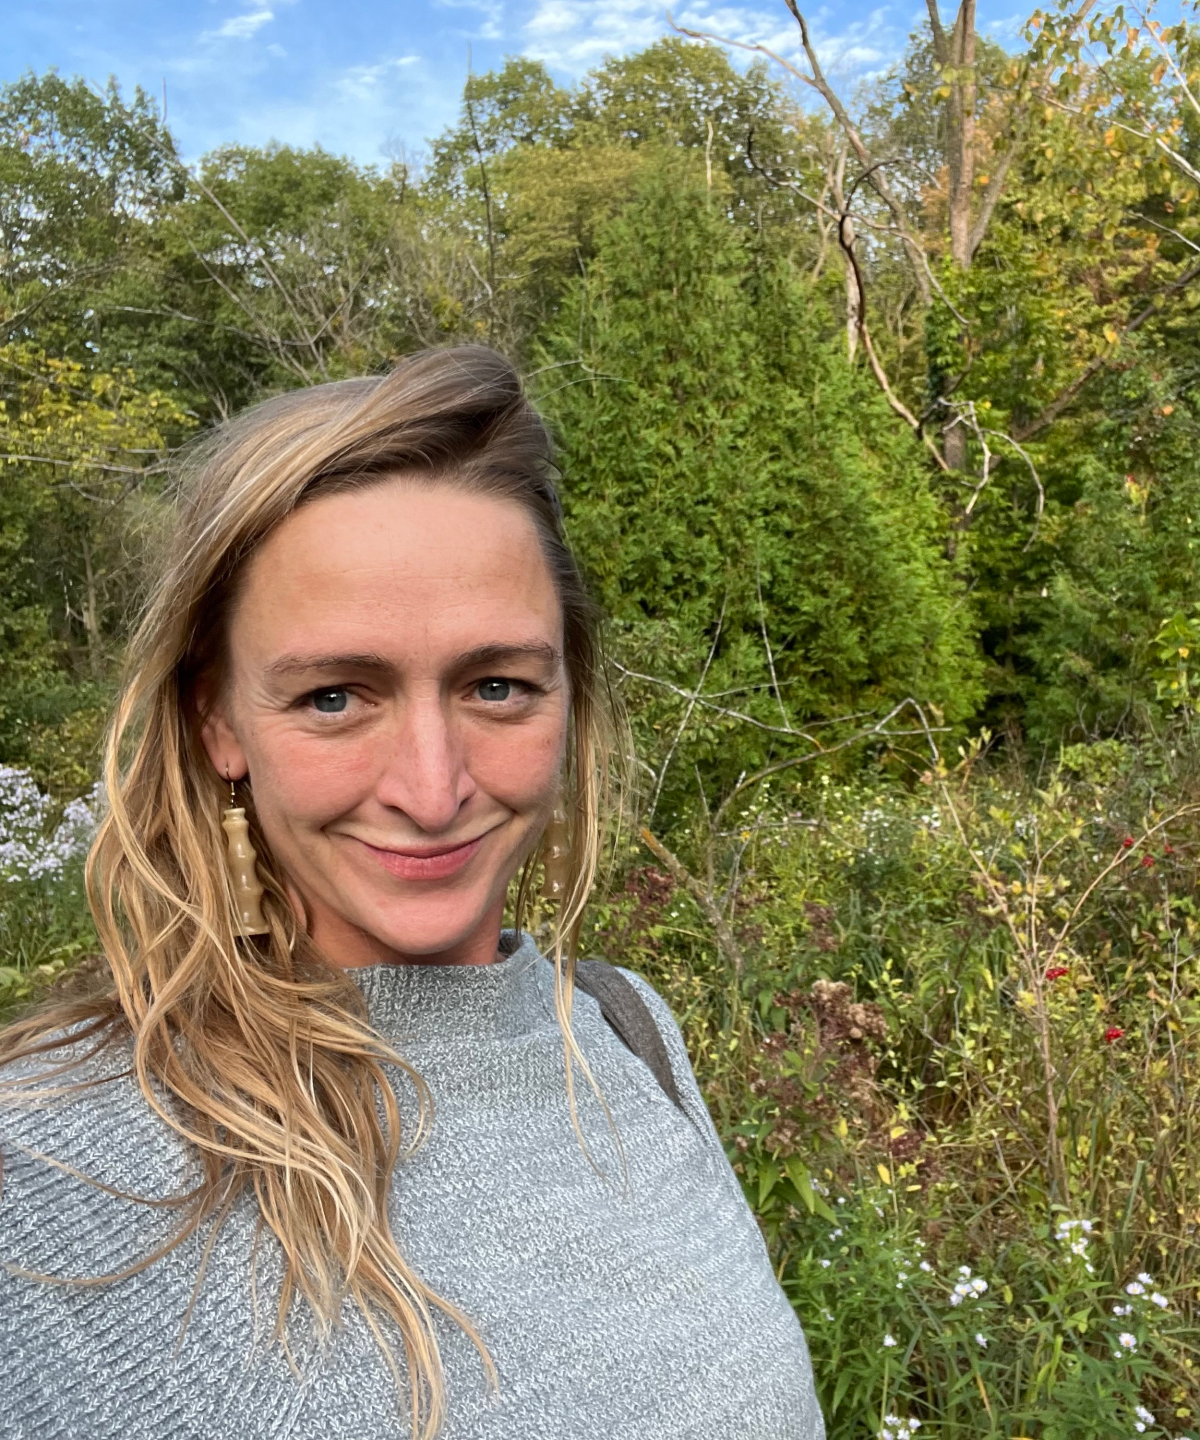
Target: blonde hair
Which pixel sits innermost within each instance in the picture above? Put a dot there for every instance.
(258, 1052)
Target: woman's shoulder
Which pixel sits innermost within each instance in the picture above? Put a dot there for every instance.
(677, 1053)
(73, 1114)
(664, 1021)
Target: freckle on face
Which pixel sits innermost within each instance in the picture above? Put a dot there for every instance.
(401, 580)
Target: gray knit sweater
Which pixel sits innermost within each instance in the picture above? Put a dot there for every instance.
(639, 1312)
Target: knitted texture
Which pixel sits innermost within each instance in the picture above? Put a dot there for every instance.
(633, 1305)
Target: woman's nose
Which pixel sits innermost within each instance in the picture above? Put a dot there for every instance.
(425, 772)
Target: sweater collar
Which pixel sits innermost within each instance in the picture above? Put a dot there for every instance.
(416, 1002)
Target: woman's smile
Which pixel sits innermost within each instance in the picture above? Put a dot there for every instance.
(432, 862)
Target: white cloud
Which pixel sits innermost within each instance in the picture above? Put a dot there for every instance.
(363, 82)
(491, 24)
(241, 27)
(574, 35)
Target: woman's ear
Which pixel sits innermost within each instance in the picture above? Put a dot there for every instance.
(217, 734)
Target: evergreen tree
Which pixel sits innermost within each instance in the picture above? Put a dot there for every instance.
(728, 473)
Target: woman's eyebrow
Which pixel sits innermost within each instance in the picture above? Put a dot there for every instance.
(498, 654)
(298, 664)
(494, 654)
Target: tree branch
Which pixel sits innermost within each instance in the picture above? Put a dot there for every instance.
(1068, 394)
(684, 878)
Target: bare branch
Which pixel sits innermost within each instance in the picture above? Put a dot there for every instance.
(687, 881)
(991, 197)
(687, 714)
(818, 82)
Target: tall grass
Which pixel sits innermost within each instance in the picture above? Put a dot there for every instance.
(958, 1079)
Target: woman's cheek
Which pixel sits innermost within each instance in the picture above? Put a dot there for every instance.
(313, 780)
(520, 766)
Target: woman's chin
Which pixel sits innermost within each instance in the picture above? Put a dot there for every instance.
(428, 929)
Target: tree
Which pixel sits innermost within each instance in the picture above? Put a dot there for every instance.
(79, 453)
(740, 500)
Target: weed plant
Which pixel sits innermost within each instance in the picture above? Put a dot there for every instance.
(958, 1081)
(45, 926)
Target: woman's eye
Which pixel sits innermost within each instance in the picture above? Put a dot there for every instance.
(330, 702)
(494, 689)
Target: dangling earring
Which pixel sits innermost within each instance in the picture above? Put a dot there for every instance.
(556, 855)
(240, 857)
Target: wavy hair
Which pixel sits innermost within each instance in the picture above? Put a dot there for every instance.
(257, 1051)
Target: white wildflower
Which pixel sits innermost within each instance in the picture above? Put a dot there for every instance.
(825, 1264)
(896, 1429)
(927, 1267)
(981, 1339)
(1144, 1278)
(1160, 1300)
(27, 850)
(1143, 1414)
(889, 1342)
(1127, 1341)
(1134, 1288)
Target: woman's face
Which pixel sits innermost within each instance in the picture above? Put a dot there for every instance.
(396, 695)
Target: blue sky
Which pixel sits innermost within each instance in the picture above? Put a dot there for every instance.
(364, 77)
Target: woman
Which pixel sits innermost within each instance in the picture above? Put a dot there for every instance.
(318, 1164)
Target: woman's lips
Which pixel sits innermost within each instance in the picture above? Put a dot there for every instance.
(432, 864)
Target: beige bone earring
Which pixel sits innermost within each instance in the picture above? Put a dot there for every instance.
(243, 877)
(556, 854)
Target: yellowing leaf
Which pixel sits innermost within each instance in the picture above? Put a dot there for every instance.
(884, 1173)
(1110, 137)
(1111, 335)
(897, 1131)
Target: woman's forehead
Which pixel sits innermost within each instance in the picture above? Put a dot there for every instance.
(398, 567)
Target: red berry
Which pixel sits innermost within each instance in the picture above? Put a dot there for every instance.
(1147, 860)
(1056, 972)
(1113, 1033)
(1127, 842)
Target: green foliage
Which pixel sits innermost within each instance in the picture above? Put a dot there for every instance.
(900, 982)
(727, 474)
(969, 1021)
(45, 932)
(77, 457)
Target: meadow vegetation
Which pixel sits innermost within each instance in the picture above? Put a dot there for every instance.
(878, 431)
